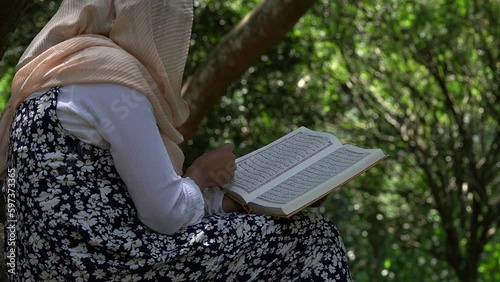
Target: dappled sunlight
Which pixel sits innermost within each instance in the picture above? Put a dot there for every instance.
(418, 79)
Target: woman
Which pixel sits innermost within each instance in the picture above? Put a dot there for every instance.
(91, 147)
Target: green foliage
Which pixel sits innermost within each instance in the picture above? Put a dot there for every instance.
(426, 92)
(5, 82)
(259, 107)
(418, 79)
(31, 23)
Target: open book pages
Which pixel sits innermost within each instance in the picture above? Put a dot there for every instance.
(296, 170)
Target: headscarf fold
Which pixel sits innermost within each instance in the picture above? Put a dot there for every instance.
(141, 44)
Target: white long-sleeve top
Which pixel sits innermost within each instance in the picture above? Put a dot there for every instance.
(121, 120)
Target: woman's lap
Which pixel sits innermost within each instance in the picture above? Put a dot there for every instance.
(243, 247)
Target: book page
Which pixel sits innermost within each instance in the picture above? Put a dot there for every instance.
(313, 176)
(265, 165)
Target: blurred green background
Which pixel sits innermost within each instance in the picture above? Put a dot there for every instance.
(418, 79)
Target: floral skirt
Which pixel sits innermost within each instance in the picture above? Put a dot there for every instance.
(238, 247)
(228, 247)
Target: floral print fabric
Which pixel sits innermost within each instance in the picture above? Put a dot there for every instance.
(76, 222)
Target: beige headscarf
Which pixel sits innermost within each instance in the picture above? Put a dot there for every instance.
(142, 44)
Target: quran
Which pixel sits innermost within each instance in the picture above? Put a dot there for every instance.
(297, 170)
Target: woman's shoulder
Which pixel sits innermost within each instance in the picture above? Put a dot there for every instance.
(98, 92)
(105, 98)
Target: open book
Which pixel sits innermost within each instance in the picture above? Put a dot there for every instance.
(296, 170)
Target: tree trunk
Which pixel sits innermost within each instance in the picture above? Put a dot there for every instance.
(10, 13)
(262, 28)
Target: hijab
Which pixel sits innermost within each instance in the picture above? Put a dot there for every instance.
(141, 44)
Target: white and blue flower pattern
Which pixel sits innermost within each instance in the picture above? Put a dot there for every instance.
(77, 222)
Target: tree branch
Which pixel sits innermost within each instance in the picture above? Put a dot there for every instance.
(266, 25)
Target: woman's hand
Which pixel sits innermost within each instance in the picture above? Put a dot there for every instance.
(230, 205)
(214, 168)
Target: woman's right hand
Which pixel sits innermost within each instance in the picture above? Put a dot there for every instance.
(214, 168)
